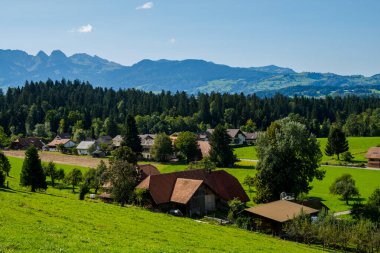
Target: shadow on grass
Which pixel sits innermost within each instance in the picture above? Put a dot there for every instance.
(7, 190)
(248, 167)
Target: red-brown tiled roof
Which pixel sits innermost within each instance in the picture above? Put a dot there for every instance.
(373, 153)
(148, 170)
(222, 183)
(205, 147)
(57, 142)
(184, 189)
(281, 210)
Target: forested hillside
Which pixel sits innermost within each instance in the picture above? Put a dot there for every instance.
(45, 108)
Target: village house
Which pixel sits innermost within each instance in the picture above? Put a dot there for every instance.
(116, 142)
(275, 214)
(193, 192)
(373, 156)
(86, 147)
(146, 170)
(63, 136)
(237, 136)
(147, 141)
(24, 143)
(205, 148)
(54, 144)
(250, 138)
(105, 140)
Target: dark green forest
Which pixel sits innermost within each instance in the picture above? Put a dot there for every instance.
(46, 108)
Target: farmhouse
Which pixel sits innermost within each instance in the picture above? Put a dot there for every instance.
(205, 148)
(250, 138)
(53, 145)
(373, 156)
(146, 170)
(237, 136)
(275, 214)
(147, 141)
(105, 140)
(85, 147)
(194, 192)
(24, 143)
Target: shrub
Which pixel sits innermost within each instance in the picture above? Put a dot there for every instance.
(347, 156)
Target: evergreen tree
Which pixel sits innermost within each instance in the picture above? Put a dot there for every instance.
(336, 142)
(32, 173)
(111, 127)
(221, 152)
(4, 164)
(131, 138)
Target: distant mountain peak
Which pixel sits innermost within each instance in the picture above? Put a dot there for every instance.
(42, 55)
(57, 54)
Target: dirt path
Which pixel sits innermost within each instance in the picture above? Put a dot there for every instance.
(45, 156)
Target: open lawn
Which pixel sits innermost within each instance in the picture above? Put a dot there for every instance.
(56, 221)
(366, 180)
(358, 148)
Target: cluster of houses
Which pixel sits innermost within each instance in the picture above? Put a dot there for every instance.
(98, 147)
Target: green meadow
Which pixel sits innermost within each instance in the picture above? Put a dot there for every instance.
(56, 221)
(358, 148)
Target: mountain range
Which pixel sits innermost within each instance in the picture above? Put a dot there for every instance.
(192, 76)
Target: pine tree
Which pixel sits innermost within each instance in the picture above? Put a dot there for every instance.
(131, 138)
(221, 152)
(32, 173)
(4, 164)
(336, 142)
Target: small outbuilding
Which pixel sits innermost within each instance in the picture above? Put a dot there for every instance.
(373, 156)
(24, 143)
(275, 214)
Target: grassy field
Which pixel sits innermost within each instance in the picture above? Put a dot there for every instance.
(56, 221)
(358, 148)
(366, 181)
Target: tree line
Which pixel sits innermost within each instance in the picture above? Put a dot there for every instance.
(46, 108)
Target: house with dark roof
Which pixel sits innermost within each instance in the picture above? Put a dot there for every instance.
(373, 156)
(147, 141)
(24, 143)
(194, 192)
(250, 138)
(237, 136)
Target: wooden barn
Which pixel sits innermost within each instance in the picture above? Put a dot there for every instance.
(373, 156)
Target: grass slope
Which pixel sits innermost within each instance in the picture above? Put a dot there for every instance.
(56, 221)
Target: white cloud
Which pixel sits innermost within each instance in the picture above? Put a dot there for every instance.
(147, 5)
(84, 29)
(172, 40)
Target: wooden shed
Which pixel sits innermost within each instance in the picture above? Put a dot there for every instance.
(373, 156)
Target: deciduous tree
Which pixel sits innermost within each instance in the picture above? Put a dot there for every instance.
(344, 186)
(162, 148)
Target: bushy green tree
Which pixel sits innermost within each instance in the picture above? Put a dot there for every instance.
(52, 172)
(186, 143)
(74, 177)
(371, 209)
(344, 186)
(124, 153)
(32, 173)
(130, 136)
(289, 158)
(336, 142)
(221, 153)
(123, 177)
(205, 164)
(95, 178)
(162, 148)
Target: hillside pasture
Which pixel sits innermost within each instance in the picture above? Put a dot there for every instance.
(56, 221)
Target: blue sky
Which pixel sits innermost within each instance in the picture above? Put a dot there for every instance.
(340, 36)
